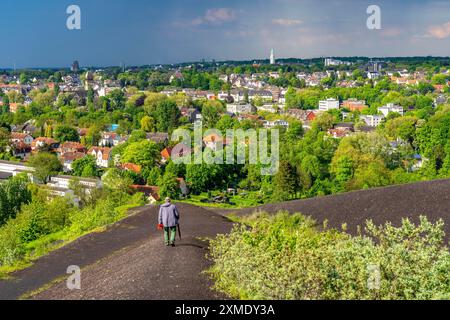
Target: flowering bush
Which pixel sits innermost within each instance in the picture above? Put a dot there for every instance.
(286, 257)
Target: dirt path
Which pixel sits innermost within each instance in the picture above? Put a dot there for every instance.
(129, 261)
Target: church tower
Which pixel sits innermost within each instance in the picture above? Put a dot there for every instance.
(272, 57)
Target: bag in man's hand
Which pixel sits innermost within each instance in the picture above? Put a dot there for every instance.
(160, 226)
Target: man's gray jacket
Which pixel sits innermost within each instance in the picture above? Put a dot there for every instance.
(168, 215)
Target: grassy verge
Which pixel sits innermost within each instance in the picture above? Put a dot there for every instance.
(236, 202)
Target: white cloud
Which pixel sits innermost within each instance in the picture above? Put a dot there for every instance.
(215, 16)
(287, 22)
(440, 31)
(219, 15)
(391, 32)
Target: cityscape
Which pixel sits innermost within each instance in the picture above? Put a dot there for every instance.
(301, 178)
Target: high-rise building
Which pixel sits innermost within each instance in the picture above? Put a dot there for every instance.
(75, 66)
(333, 62)
(329, 104)
(272, 57)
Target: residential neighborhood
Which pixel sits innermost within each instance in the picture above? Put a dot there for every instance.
(259, 99)
(264, 151)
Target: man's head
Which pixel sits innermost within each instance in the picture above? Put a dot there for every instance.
(168, 200)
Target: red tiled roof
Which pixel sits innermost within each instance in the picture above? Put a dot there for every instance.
(72, 145)
(166, 153)
(131, 167)
(18, 135)
(72, 156)
(215, 138)
(104, 150)
(147, 190)
(311, 116)
(45, 140)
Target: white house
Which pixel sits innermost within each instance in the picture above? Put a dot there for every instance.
(54, 191)
(102, 156)
(390, 107)
(276, 123)
(12, 169)
(373, 75)
(64, 182)
(17, 137)
(262, 94)
(372, 120)
(329, 104)
(223, 95)
(109, 139)
(268, 108)
(239, 108)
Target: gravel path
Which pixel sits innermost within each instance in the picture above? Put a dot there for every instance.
(129, 261)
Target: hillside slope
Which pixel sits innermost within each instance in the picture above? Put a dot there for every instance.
(430, 198)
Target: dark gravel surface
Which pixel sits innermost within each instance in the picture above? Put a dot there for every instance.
(431, 199)
(129, 260)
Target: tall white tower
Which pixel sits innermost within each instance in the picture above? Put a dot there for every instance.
(272, 57)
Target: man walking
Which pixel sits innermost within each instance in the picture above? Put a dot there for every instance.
(168, 219)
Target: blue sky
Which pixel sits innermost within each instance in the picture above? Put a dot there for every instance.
(140, 32)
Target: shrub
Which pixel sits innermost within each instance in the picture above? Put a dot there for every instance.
(11, 246)
(13, 194)
(286, 257)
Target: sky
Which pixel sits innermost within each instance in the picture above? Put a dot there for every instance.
(139, 32)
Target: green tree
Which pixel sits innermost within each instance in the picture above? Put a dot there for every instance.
(324, 121)
(211, 113)
(5, 106)
(152, 176)
(148, 124)
(343, 172)
(144, 153)
(284, 182)
(204, 177)
(13, 194)
(116, 99)
(226, 122)
(152, 101)
(295, 131)
(64, 133)
(85, 167)
(168, 186)
(434, 141)
(45, 164)
(166, 115)
(5, 137)
(23, 78)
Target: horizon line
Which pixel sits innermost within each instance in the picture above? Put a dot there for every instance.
(218, 61)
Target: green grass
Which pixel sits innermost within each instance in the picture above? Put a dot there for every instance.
(32, 294)
(238, 201)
